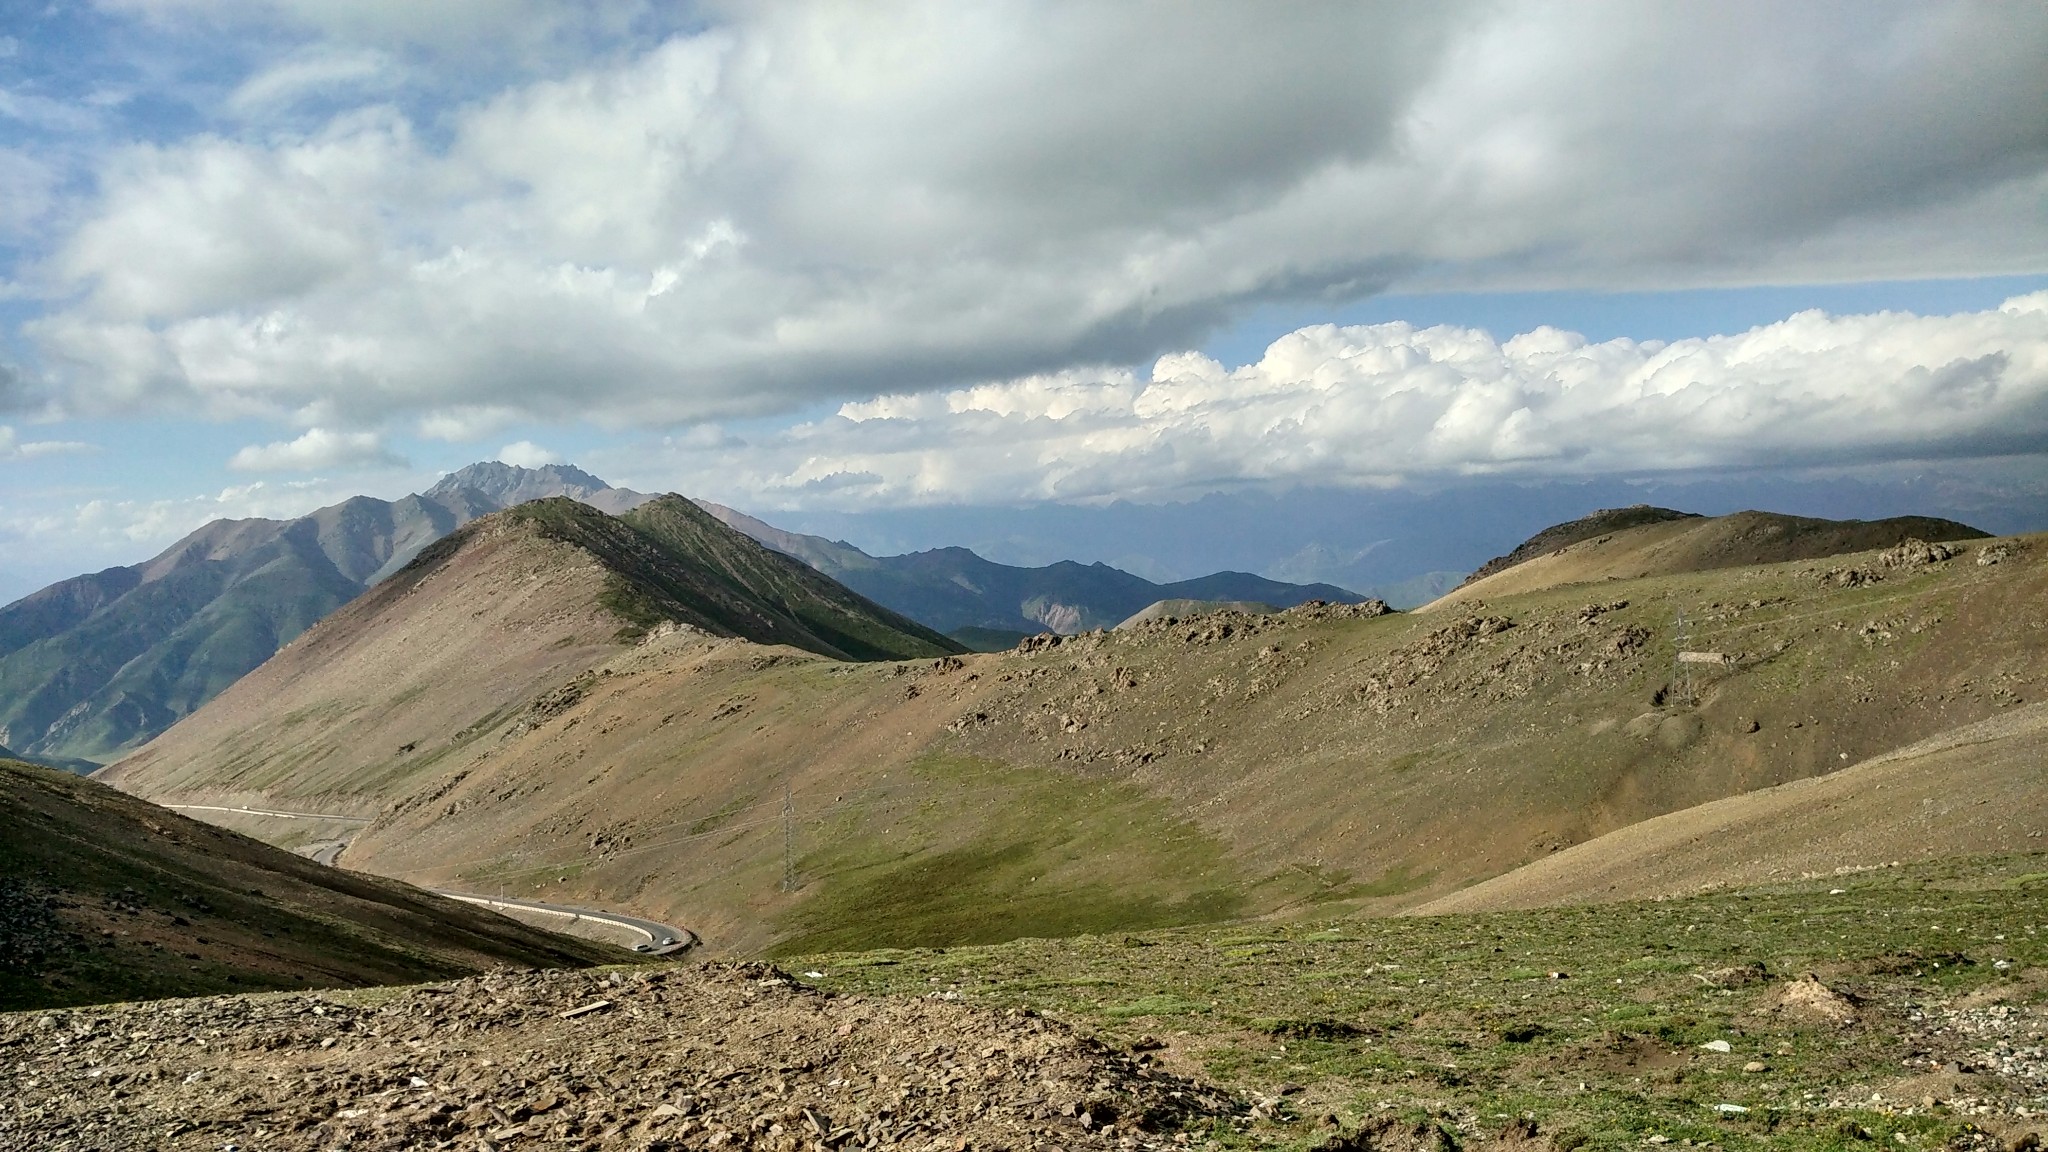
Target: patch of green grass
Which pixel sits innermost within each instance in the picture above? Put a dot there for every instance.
(1659, 964)
(1156, 1005)
(1452, 1020)
(1397, 882)
(1059, 856)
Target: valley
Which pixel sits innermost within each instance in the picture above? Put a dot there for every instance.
(1230, 764)
(1387, 577)
(1504, 871)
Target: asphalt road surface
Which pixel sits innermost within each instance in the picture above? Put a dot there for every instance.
(662, 939)
(267, 812)
(324, 851)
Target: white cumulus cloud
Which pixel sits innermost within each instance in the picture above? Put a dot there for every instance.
(527, 454)
(311, 74)
(1386, 403)
(812, 202)
(317, 448)
(12, 447)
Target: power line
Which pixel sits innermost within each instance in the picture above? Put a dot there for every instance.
(1683, 669)
(788, 839)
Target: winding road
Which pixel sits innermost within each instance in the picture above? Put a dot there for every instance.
(268, 812)
(662, 939)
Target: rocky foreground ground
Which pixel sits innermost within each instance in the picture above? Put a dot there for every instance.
(664, 1058)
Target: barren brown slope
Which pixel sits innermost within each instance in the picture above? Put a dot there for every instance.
(510, 607)
(1221, 766)
(1557, 536)
(1669, 546)
(104, 897)
(418, 667)
(1982, 788)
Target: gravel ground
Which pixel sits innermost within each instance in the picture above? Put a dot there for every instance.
(738, 1056)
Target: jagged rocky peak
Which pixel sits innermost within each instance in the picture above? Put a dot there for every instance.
(496, 484)
(511, 484)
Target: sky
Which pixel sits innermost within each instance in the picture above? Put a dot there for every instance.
(984, 266)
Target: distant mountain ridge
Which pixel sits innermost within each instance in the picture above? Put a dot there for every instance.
(96, 665)
(505, 485)
(671, 561)
(954, 589)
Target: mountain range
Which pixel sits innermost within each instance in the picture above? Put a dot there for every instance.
(96, 665)
(508, 722)
(99, 663)
(973, 599)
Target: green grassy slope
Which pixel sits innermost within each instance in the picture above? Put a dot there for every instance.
(843, 620)
(664, 565)
(1318, 757)
(1580, 1027)
(1572, 531)
(105, 897)
(138, 661)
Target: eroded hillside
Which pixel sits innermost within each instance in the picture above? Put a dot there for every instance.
(1180, 771)
(1981, 788)
(104, 897)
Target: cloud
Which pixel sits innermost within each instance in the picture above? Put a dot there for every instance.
(13, 448)
(108, 530)
(27, 187)
(467, 423)
(527, 454)
(1390, 403)
(311, 74)
(811, 202)
(526, 28)
(317, 448)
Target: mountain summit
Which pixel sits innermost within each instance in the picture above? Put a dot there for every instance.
(519, 607)
(96, 665)
(502, 485)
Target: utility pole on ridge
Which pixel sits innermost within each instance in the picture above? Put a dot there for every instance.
(788, 840)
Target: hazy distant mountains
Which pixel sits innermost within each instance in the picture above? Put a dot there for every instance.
(97, 664)
(963, 595)
(93, 666)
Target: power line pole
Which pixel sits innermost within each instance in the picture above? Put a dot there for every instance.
(1679, 662)
(788, 840)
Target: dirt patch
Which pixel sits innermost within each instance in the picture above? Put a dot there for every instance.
(1625, 1053)
(1808, 999)
(1393, 1134)
(740, 1056)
